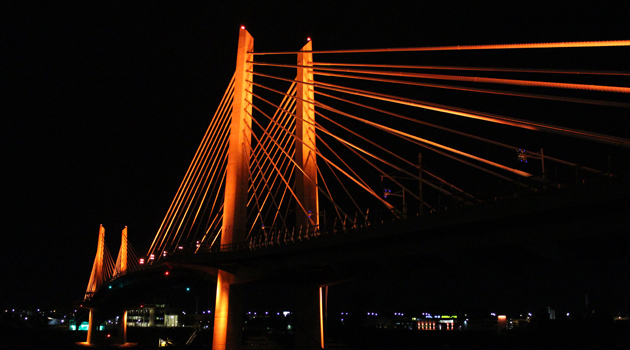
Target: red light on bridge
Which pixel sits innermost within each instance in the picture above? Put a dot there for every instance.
(242, 27)
(308, 39)
(166, 273)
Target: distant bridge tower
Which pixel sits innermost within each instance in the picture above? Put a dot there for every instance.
(100, 270)
(121, 261)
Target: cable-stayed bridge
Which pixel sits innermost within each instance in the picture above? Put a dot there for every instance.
(385, 153)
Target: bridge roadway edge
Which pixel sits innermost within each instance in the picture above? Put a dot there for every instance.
(531, 222)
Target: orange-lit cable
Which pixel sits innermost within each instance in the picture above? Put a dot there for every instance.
(284, 167)
(260, 205)
(192, 168)
(350, 169)
(205, 174)
(255, 195)
(283, 142)
(574, 44)
(211, 224)
(278, 147)
(356, 175)
(481, 69)
(318, 65)
(193, 184)
(423, 144)
(278, 214)
(474, 137)
(383, 160)
(323, 178)
(490, 91)
(191, 172)
(365, 187)
(517, 82)
(487, 91)
(525, 124)
(356, 149)
(450, 149)
(208, 179)
(619, 142)
(435, 144)
(226, 97)
(369, 190)
(218, 200)
(278, 171)
(287, 103)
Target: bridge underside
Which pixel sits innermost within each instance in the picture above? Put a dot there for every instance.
(550, 226)
(552, 244)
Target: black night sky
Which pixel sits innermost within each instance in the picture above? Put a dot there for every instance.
(104, 103)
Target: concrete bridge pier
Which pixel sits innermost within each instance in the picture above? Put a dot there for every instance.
(91, 332)
(309, 318)
(122, 328)
(92, 324)
(228, 316)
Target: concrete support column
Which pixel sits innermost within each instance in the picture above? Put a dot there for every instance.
(228, 314)
(308, 318)
(122, 328)
(91, 327)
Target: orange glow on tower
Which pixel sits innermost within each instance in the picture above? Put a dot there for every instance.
(121, 261)
(97, 278)
(305, 157)
(237, 174)
(236, 180)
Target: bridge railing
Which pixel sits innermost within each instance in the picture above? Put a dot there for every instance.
(274, 238)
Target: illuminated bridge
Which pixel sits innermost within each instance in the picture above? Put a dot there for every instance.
(364, 158)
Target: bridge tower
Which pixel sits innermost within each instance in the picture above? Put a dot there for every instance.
(305, 156)
(98, 275)
(310, 312)
(121, 261)
(228, 304)
(227, 318)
